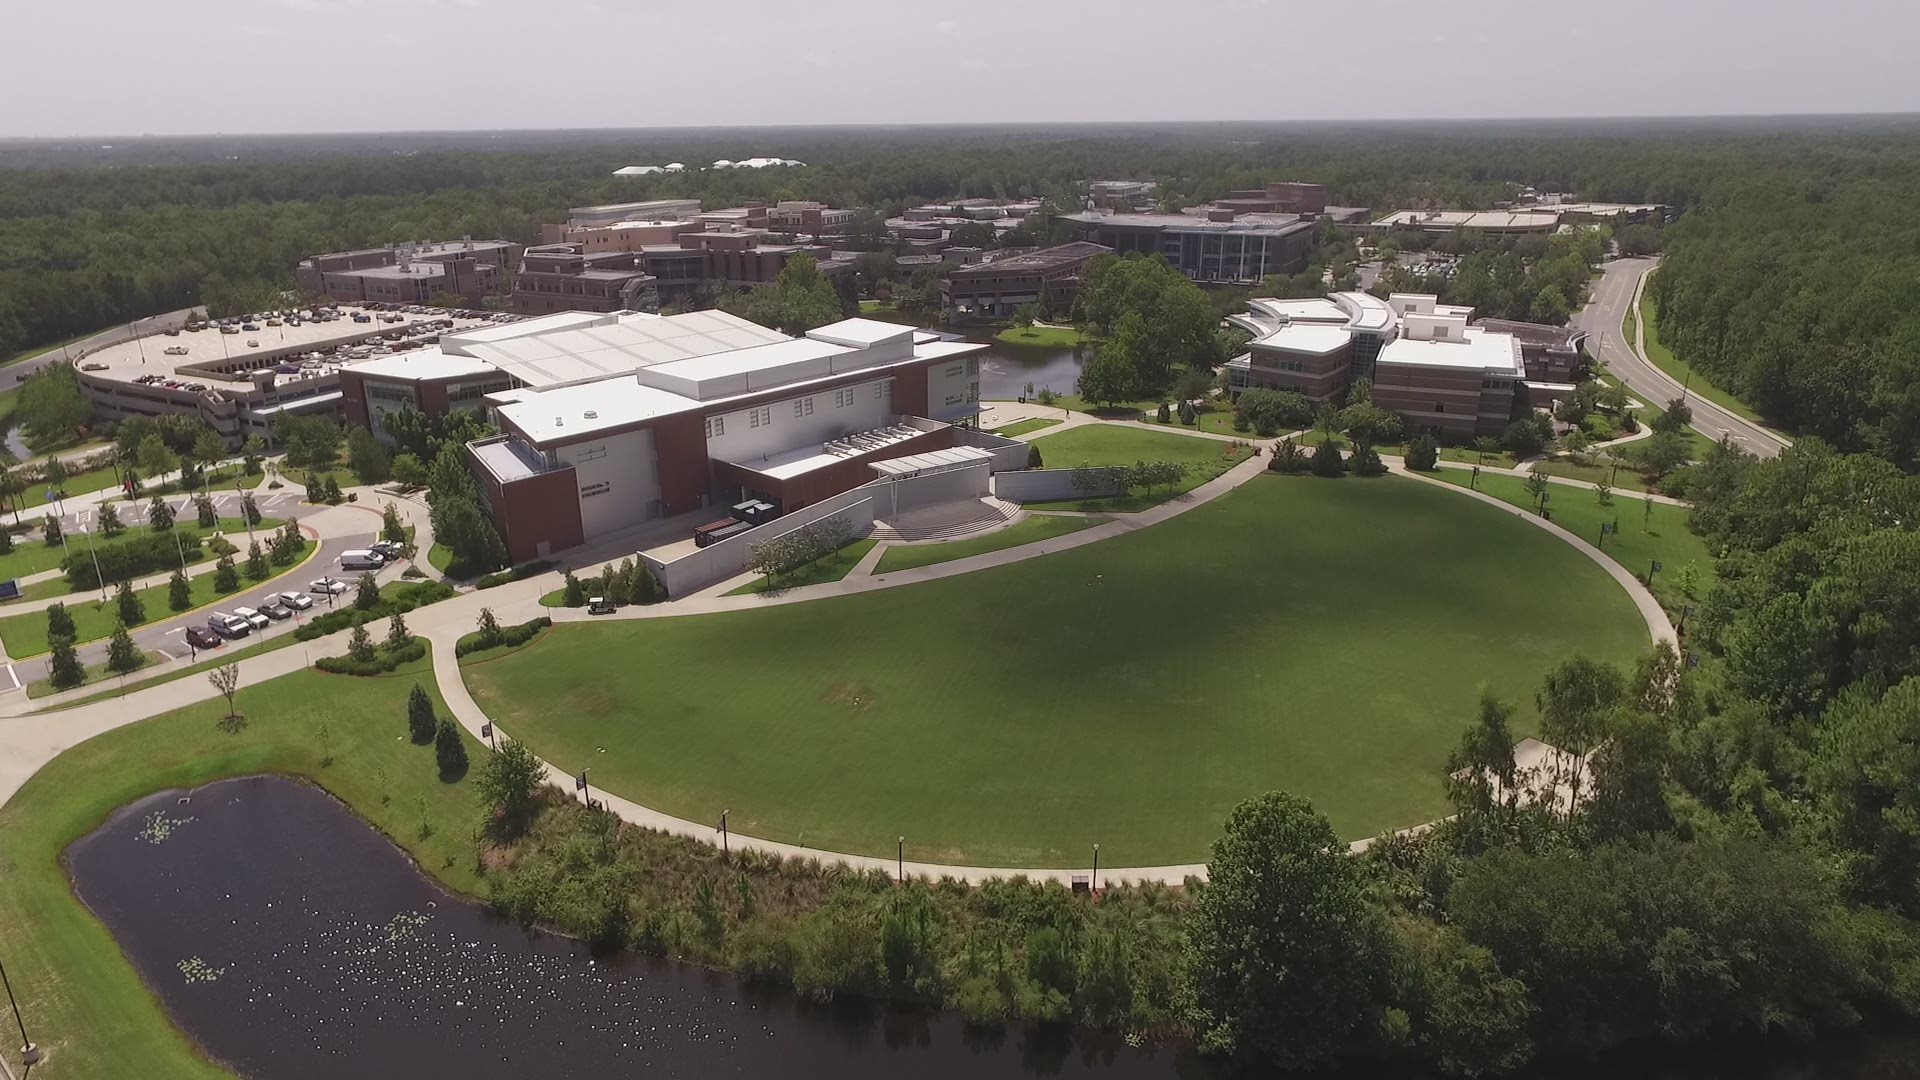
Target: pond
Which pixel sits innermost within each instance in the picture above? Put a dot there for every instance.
(1005, 370)
(290, 941)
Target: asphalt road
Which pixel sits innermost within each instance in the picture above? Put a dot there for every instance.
(1612, 303)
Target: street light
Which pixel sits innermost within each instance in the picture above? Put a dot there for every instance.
(900, 860)
(1094, 886)
(725, 850)
(96, 561)
(29, 1053)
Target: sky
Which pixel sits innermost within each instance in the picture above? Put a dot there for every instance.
(129, 67)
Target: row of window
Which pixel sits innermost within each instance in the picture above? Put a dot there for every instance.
(716, 426)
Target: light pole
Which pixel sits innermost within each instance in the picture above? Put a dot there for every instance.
(1095, 885)
(96, 562)
(29, 1053)
(900, 860)
(725, 850)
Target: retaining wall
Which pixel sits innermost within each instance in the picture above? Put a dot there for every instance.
(1051, 485)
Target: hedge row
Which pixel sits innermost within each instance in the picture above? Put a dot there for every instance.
(124, 560)
(405, 598)
(509, 637)
(385, 662)
(518, 573)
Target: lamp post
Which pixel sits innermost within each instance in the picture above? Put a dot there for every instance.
(900, 859)
(725, 850)
(96, 562)
(1095, 884)
(29, 1053)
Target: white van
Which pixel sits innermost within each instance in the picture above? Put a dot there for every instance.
(361, 559)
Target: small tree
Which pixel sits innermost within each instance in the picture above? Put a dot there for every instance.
(59, 623)
(1604, 491)
(316, 491)
(1034, 460)
(6, 541)
(1687, 579)
(1165, 413)
(204, 513)
(398, 636)
(122, 655)
(1288, 458)
(334, 496)
(63, 667)
(392, 529)
(366, 595)
(1365, 460)
(449, 749)
(1092, 480)
(226, 680)
(52, 531)
(257, 567)
(110, 525)
(646, 587)
(1646, 513)
(251, 452)
(1486, 446)
(128, 605)
(179, 591)
(420, 719)
(226, 578)
(489, 628)
(249, 510)
(360, 645)
(286, 545)
(1423, 453)
(159, 515)
(1188, 414)
(1537, 486)
(510, 779)
(1327, 460)
(573, 594)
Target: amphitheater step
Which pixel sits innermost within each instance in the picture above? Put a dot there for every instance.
(989, 514)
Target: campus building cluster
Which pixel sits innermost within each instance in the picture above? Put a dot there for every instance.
(1424, 359)
(609, 421)
(414, 273)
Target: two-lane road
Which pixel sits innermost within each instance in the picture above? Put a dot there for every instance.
(1612, 303)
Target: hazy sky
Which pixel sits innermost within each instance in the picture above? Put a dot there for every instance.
(135, 66)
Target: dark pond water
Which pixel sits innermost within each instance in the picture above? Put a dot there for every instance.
(290, 940)
(1005, 370)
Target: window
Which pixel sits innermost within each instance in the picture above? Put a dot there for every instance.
(761, 417)
(1439, 406)
(842, 398)
(803, 407)
(716, 426)
(879, 391)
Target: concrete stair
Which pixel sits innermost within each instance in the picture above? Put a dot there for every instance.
(947, 522)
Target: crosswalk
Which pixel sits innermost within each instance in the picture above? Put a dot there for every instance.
(226, 505)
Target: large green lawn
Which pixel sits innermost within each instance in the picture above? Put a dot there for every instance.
(85, 1004)
(1122, 444)
(31, 554)
(1320, 636)
(1028, 530)
(1642, 538)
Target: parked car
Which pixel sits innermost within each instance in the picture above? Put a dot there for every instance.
(175, 350)
(229, 626)
(599, 605)
(250, 327)
(386, 549)
(275, 610)
(361, 559)
(328, 586)
(203, 637)
(298, 601)
(253, 616)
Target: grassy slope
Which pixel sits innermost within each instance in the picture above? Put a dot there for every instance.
(1118, 444)
(1028, 530)
(88, 1008)
(1681, 372)
(1324, 637)
(1024, 426)
(1665, 536)
(832, 568)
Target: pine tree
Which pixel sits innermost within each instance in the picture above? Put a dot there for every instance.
(449, 749)
(159, 514)
(250, 510)
(397, 635)
(110, 526)
(122, 655)
(316, 491)
(366, 596)
(127, 602)
(257, 567)
(420, 719)
(204, 512)
(225, 577)
(64, 667)
(646, 587)
(334, 495)
(59, 623)
(53, 532)
(573, 594)
(392, 529)
(489, 627)
(179, 591)
(360, 645)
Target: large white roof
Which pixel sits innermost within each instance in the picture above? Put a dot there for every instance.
(607, 347)
(1480, 350)
(429, 363)
(1312, 310)
(1316, 338)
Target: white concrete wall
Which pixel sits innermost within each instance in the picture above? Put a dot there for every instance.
(870, 408)
(953, 388)
(619, 481)
(1008, 454)
(1046, 485)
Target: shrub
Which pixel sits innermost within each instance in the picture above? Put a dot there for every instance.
(1288, 458)
(518, 573)
(420, 718)
(1034, 460)
(382, 661)
(1327, 460)
(449, 749)
(1423, 454)
(505, 637)
(404, 598)
(137, 555)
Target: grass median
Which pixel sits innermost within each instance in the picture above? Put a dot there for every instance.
(1031, 529)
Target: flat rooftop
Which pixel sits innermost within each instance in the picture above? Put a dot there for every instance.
(1051, 258)
(509, 459)
(1552, 337)
(129, 360)
(588, 346)
(1312, 310)
(428, 364)
(806, 459)
(1492, 220)
(1478, 351)
(1315, 338)
(1256, 224)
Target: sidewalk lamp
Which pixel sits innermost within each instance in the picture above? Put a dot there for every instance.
(29, 1053)
(1094, 885)
(900, 859)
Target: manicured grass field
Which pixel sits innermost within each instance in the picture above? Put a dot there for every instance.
(1681, 372)
(95, 673)
(1021, 428)
(75, 484)
(228, 653)
(1319, 636)
(832, 568)
(25, 634)
(1119, 444)
(1062, 336)
(85, 1004)
(1640, 541)
(1218, 421)
(1028, 530)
